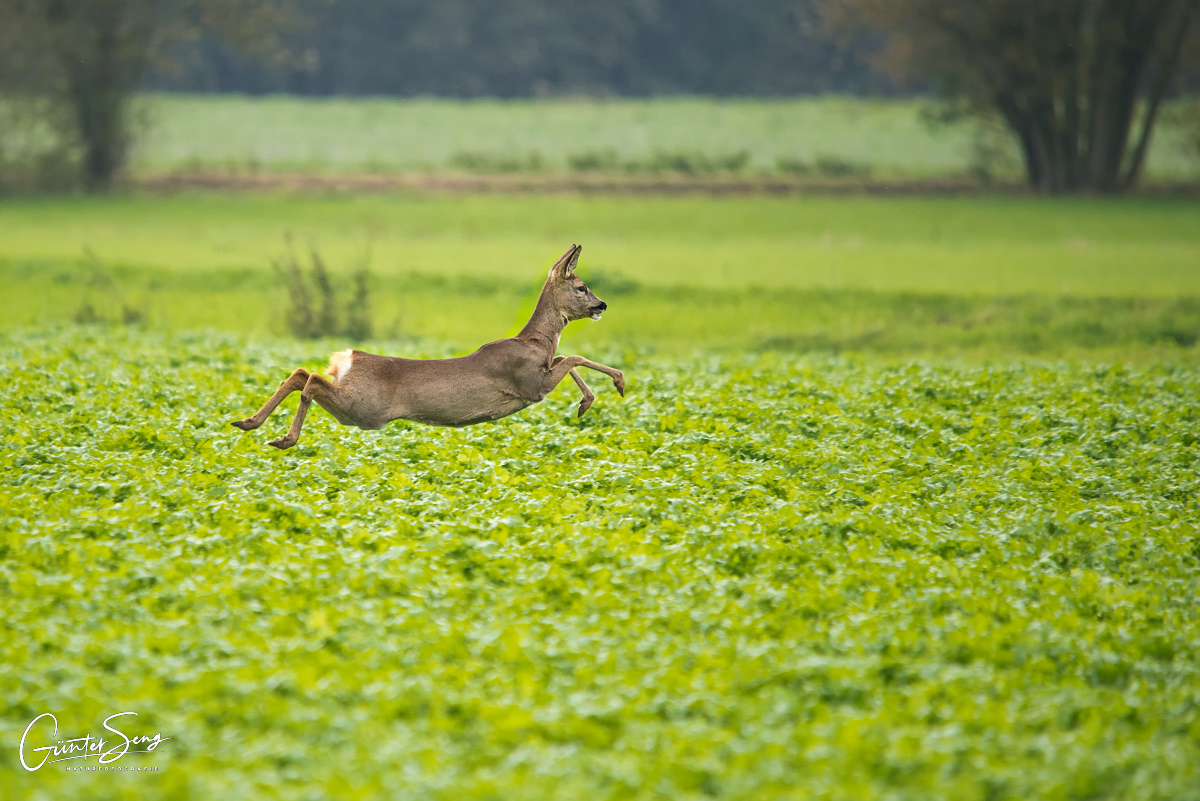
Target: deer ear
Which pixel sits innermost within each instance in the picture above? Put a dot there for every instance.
(565, 266)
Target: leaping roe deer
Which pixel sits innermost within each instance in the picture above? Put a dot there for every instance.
(500, 378)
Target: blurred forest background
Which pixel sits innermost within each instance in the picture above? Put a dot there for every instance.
(1072, 89)
(528, 48)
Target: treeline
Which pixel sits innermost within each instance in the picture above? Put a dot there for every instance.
(1079, 84)
(524, 48)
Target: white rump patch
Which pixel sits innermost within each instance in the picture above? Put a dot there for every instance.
(339, 365)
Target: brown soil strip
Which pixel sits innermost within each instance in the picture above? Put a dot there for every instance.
(593, 184)
(451, 183)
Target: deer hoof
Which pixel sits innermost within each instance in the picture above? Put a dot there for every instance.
(584, 405)
(283, 444)
(246, 425)
(619, 383)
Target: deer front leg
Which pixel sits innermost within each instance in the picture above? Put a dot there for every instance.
(294, 382)
(588, 395)
(559, 370)
(316, 387)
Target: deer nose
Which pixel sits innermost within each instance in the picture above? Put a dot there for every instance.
(601, 306)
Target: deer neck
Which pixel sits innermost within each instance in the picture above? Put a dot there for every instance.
(546, 325)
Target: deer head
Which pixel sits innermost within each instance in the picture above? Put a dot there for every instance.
(569, 295)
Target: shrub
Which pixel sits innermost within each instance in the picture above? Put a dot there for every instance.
(692, 163)
(532, 161)
(593, 161)
(793, 166)
(834, 167)
(314, 310)
(104, 302)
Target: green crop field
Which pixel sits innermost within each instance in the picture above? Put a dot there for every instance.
(834, 136)
(900, 503)
(753, 577)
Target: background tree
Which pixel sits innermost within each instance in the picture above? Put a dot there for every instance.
(89, 57)
(523, 48)
(1078, 82)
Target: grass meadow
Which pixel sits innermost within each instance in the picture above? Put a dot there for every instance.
(900, 276)
(900, 503)
(832, 137)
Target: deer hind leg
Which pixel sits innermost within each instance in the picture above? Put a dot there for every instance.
(317, 388)
(295, 381)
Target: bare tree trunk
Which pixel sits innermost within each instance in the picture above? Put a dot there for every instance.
(1134, 36)
(1165, 73)
(102, 48)
(117, 37)
(99, 107)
